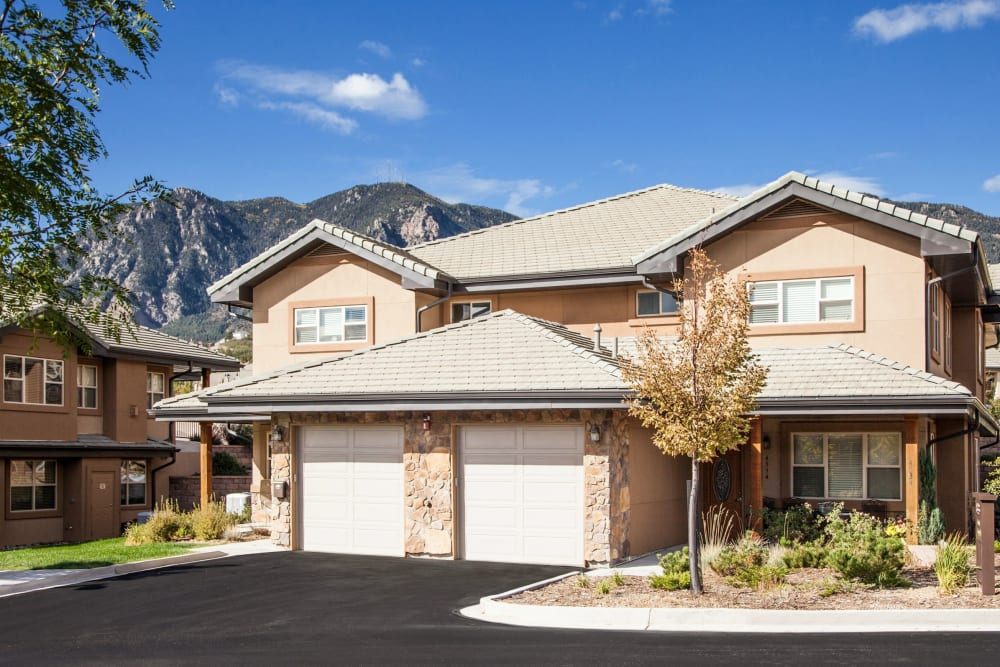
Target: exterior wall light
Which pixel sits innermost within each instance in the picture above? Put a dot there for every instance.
(766, 442)
(595, 433)
(277, 434)
(426, 423)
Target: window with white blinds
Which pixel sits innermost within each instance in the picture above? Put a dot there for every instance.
(802, 301)
(334, 324)
(847, 465)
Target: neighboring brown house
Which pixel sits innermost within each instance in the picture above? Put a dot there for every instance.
(80, 453)
(450, 399)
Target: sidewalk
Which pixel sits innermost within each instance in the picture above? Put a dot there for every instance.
(494, 609)
(15, 582)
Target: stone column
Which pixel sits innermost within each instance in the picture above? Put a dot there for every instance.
(428, 476)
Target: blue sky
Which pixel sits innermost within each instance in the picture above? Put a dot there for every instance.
(535, 106)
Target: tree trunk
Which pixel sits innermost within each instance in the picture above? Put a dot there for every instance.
(694, 521)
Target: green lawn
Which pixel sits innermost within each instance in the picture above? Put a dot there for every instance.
(88, 554)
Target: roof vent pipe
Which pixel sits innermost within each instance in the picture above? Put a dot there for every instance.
(597, 337)
(614, 347)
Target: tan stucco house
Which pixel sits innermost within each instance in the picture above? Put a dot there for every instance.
(455, 399)
(80, 455)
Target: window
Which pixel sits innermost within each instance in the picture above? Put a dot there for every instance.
(655, 303)
(334, 324)
(802, 301)
(935, 315)
(32, 485)
(86, 386)
(947, 333)
(466, 311)
(154, 388)
(31, 380)
(133, 474)
(846, 465)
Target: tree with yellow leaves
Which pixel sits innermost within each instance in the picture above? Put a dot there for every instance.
(695, 392)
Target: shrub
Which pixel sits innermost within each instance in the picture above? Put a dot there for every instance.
(676, 571)
(952, 564)
(166, 524)
(211, 521)
(794, 525)
(811, 555)
(930, 524)
(604, 586)
(860, 550)
(582, 581)
(717, 529)
(746, 564)
(617, 578)
(224, 463)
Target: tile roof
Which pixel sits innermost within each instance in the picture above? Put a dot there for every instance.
(994, 270)
(593, 237)
(148, 342)
(824, 187)
(504, 352)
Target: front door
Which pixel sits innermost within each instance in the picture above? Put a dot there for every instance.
(723, 485)
(101, 489)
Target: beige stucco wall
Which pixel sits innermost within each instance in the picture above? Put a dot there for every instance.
(894, 277)
(658, 485)
(319, 279)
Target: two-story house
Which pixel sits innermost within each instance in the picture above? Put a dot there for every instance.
(455, 399)
(80, 454)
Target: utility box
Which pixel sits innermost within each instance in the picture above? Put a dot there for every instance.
(236, 502)
(984, 508)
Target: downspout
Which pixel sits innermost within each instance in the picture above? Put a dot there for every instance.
(649, 285)
(927, 307)
(152, 475)
(956, 434)
(437, 302)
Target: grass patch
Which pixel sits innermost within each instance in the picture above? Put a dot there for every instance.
(87, 555)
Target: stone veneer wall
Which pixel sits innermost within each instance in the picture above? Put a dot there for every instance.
(429, 468)
(187, 490)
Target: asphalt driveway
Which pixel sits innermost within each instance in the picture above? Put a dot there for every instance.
(310, 608)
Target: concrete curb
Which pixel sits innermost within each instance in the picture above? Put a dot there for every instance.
(493, 609)
(97, 573)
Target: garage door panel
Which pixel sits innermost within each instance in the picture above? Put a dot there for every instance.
(522, 494)
(352, 489)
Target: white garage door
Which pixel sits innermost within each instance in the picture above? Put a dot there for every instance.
(522, 494)
(352, 489)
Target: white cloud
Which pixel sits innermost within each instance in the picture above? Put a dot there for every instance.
(615, 14)
(227, 96)
(884, 155)
(864, 184)
(622, 166)
(316, 96)
(992, 184)
(378, 48)
(330, 120)
(739, 190)
(913, 196)
(657, 7)
(888, 25)
(458, 183)
(418, 62)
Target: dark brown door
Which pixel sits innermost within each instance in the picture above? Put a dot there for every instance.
(101, 489)
(723, 485)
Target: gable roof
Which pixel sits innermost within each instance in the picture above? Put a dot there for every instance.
(501, 359)
(153, 345)
(236, 287)
(937, 237)
(596, 237)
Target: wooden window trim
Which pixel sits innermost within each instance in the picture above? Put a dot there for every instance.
(857, 324)
(367, 301)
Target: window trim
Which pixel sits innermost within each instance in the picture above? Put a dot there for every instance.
(45, 363)
(856, 324)
(150, 393)
(661, 312)
(97, 387)
(457, 302)
(946, 336)
(865, 466)
(32, 513)
(935, 299)
(344, 346)
(122, 466)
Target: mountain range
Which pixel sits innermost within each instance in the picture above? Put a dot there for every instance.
(168, 253)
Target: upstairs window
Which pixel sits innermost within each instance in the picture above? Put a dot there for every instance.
(133, 488)
(802, 301)
(333, 324)
(469, 310)
(935, 315)
(154, 388)
(32, 485)
(656, 303)
(33, 381)
(86, 387)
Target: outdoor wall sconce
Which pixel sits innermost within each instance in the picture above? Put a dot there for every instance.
(277, 434)
(595, 433)
(766, 442)
(426, 423)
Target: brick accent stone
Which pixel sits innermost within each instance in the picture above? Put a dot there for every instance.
(429, 474)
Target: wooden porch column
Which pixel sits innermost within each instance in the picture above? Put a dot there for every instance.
(205, 459)
(755, 469)
(911, 459)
